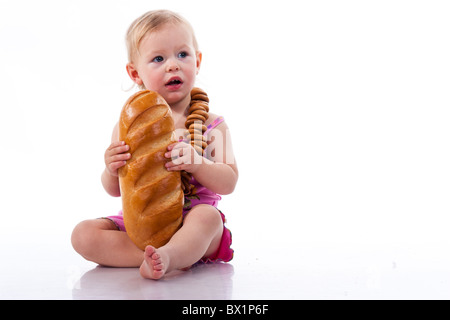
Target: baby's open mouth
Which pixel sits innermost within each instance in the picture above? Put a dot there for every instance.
(174, 82)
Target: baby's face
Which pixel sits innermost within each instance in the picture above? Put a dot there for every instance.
(168, 62)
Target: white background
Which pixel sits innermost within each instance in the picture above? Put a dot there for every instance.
(339, 113)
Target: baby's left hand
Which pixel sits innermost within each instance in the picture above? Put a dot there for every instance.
(184, 157)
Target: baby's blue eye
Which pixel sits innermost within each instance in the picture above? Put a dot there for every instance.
(182, 54)
(158, 59)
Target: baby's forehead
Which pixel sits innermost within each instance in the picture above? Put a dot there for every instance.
(170, 28)
(167, 39)
(175, 34)
(172, 31)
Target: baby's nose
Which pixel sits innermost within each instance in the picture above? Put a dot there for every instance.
(172, 66)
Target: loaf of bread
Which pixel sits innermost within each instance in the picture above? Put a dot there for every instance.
(152, 197)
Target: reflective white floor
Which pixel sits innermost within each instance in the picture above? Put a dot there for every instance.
(38, 270)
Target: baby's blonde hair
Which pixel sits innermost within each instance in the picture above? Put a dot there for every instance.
(149, 22)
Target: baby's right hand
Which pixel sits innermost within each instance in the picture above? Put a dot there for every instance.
(115, 157)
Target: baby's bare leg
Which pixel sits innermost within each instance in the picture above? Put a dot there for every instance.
(99, 241)
(199, 237)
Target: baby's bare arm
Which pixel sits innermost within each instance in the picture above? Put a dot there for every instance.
(221, 172)
(216, 171)
(115, 157)
(218, 177)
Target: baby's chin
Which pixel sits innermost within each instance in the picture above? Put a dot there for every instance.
(175, 97)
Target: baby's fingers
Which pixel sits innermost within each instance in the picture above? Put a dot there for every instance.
(119, 157)
(116, 148)
(116, 144)
(116, 165)
(115, 162)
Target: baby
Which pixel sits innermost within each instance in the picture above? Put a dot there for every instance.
(164, 57)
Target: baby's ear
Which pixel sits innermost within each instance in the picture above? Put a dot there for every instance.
(199, 60)
(133, 73)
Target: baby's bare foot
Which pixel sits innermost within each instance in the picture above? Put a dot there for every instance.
(153, 266)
